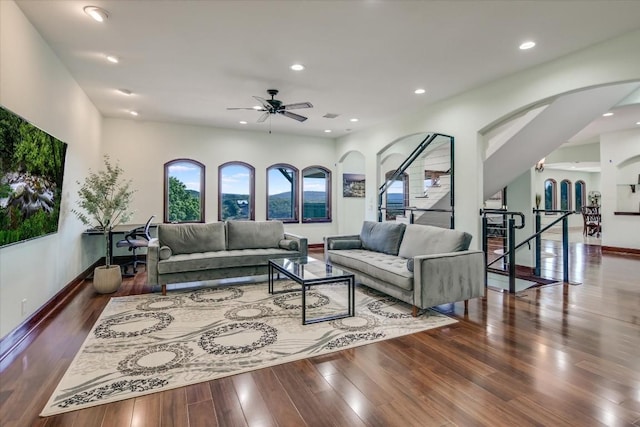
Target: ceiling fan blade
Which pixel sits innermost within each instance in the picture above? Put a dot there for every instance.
(296, 106)
(263, 117)
(265, 103)
(294, 116)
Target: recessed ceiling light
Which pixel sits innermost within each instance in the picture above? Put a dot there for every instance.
(353, 120)
(242, 122)
(96, 13)
(113, 59)
(327, 130)
(297, 67)
(133, 113)
(527, 45)
(419, 91)
(609, 114)
(125, 92)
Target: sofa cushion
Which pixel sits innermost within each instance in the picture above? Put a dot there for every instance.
(345, 244)
(254, 234)
(429, 240)
(384, 267)
(382, 237)
(221, 259)
(192, 238)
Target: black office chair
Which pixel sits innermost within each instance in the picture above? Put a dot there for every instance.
(136, 239)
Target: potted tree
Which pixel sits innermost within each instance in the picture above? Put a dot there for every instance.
(103, 202)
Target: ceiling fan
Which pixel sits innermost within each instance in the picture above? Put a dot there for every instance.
(274, 106)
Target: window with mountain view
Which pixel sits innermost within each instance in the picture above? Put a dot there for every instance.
(236, 185)
(397, 195)
(282, 193)
(316, 194)
(183, 191)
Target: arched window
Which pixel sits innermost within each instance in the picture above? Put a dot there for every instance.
(397, 195)
(236, 188)
(316, 194)
(580, 191)
(183, 191)
(550, 200)
(282, 193)
(565, 195)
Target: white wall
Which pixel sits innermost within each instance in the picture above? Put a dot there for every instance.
(36, 86)
(620, 163)
(142, 148)
(350, 216)
(465, 115)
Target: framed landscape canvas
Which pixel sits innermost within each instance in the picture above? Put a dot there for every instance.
(31, 174)
(353, 185)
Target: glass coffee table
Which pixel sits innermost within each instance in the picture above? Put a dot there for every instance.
(309, 272)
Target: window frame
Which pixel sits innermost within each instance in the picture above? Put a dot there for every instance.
(568, 185)
(294, 191)
(165, 202)
(405, 193)
(583, 188)
(554, 195)
(327, 218)
(252, 189)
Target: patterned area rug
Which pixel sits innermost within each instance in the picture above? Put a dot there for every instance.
(149, 343)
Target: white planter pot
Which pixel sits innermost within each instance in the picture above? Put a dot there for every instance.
(107, 280)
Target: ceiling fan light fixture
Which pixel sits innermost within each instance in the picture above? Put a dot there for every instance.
(96, 13)
(257, 107)
(297, 67)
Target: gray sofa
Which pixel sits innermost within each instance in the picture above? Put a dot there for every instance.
(421, 265)
(192, 252)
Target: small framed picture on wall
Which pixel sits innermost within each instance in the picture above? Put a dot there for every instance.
(353, 185)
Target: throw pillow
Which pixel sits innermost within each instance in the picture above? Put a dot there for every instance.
(290, 245)
(345, 244)
(165, 252)
(382, 237)
(410, 264)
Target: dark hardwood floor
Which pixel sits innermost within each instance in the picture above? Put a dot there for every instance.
(556, 355)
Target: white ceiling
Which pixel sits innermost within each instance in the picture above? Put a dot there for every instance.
(186, 61)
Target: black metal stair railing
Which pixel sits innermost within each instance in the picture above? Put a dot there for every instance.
(402, 169)
(509, 218)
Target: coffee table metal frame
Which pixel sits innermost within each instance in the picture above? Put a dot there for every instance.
(298, 265)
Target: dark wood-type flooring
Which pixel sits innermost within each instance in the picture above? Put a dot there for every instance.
(556, 355)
